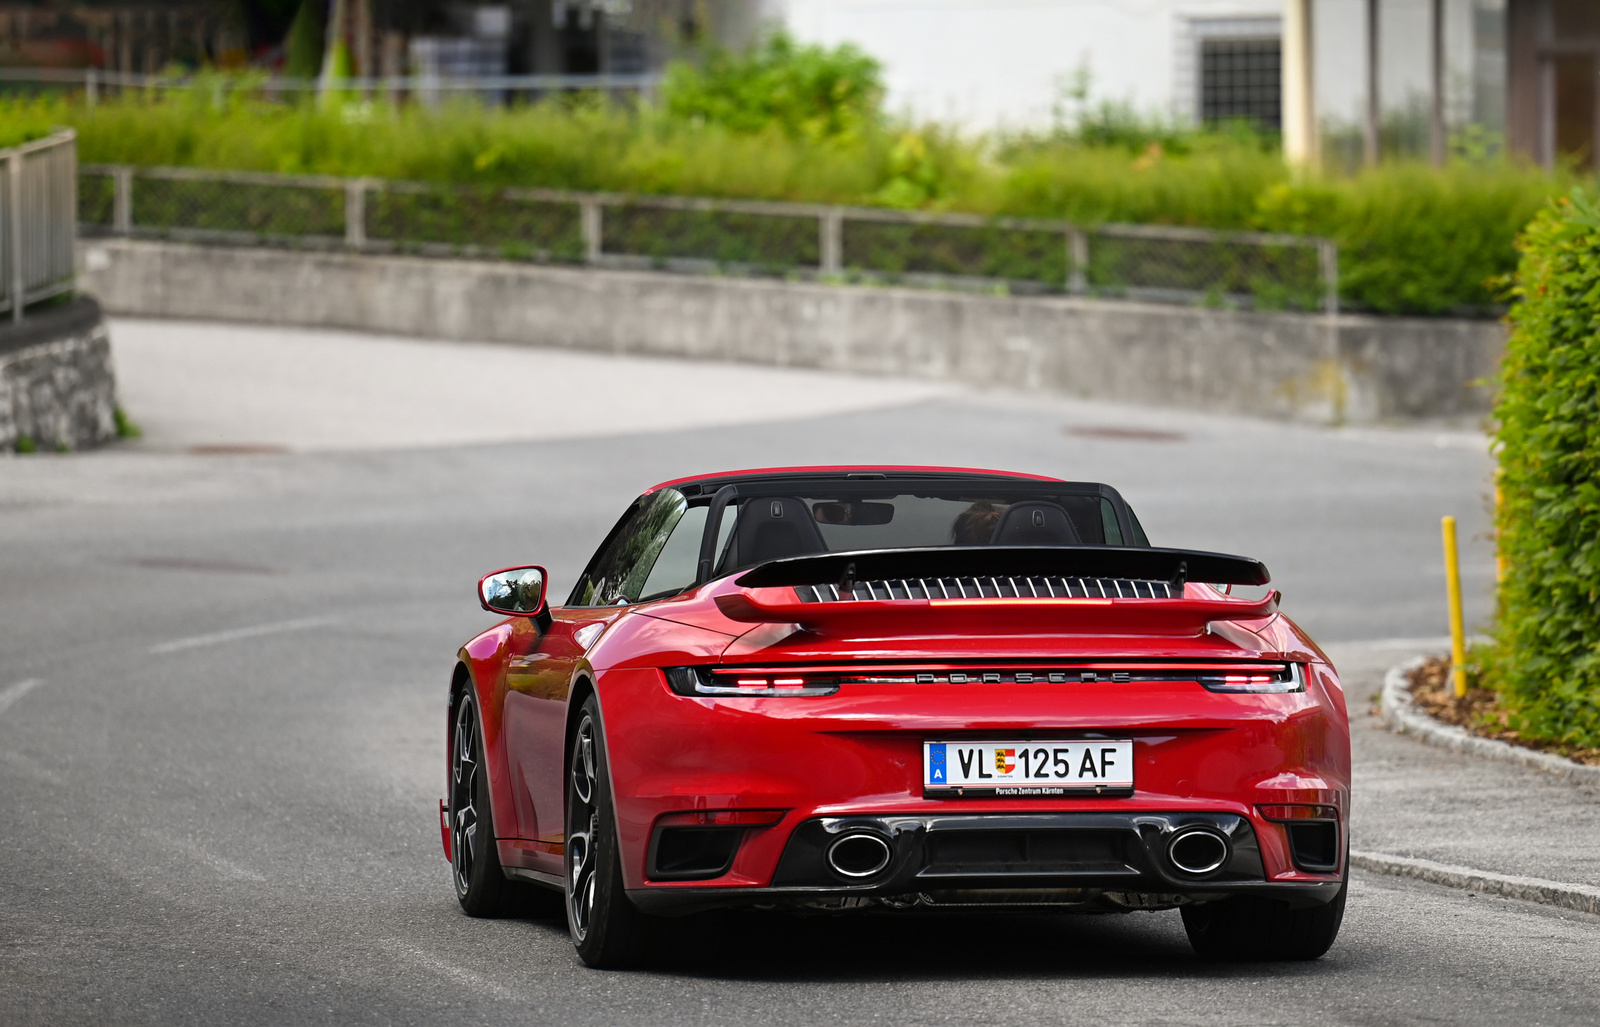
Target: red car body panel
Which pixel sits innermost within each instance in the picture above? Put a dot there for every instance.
(859, 750)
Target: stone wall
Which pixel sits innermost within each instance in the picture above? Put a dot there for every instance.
(1355, 369)
(56, 385)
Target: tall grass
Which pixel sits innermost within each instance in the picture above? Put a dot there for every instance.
(1412, 239)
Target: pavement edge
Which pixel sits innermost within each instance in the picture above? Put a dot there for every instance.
(1398, 712)
(1396, 708)
(1581, 898)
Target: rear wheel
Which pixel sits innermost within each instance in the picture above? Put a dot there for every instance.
(607, 930)
(481, 886)
(1249, 927)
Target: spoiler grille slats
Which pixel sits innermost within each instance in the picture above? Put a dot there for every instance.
(1028, 587)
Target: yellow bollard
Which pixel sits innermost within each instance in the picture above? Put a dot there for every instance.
(1452, 584)
(1499, 556)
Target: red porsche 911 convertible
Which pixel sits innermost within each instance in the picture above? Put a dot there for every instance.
(899, 688)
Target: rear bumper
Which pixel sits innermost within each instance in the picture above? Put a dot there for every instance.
(1088, 861)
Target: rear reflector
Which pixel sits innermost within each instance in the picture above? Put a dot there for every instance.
(1298, 812)
(723, 818)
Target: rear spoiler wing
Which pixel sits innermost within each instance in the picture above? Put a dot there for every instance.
(1171, 565)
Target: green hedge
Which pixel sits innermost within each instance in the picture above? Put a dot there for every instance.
(16, 130)
(1413, 240)
(1546, 658)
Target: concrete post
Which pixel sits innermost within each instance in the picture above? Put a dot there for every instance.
(589, 221)
(831, 243)
(122, 201)
(355, 213)
(1374, 113)
(1077, 262)
(1436, 137)
(14, 219)
(1328, 265)
(1299, 100)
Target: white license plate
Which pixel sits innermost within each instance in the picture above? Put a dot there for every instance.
(1027, 768)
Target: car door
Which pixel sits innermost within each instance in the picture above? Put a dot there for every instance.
(543, 665)
(540, 668)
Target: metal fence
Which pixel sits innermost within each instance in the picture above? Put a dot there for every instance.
(794, 240)
(38, 199)
(426, 88)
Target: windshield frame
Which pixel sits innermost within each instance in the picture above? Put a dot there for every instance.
(859, 487)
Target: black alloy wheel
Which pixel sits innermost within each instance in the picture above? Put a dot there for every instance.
(1258, 929)
(607, 930)
(481, 886)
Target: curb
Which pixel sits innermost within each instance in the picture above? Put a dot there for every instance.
(1581, 898)
(1404, 718)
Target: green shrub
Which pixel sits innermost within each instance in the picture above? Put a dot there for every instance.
(126, 429)
(801, 91)
(1413, 239)
(1546, 658)
(23, 123)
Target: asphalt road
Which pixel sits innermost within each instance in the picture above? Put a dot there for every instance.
(222, 726)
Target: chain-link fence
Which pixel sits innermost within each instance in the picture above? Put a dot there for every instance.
(792, 240)
(37, 196)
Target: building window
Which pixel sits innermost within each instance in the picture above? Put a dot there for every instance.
(1240, 80)
(1228, 68)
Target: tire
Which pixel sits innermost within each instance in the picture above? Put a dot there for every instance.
(481, 886)
(1265, 930)
(607, 930)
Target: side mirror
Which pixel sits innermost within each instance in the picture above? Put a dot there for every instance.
(517, 591)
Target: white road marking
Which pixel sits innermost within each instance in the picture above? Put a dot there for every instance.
(473, 981)
(28, 768)
(224, 867)
(17, 691)
(234, 634)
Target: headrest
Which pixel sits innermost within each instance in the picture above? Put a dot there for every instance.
(1035, 524)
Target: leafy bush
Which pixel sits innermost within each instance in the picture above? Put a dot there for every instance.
(23, 127)
(1546, 658)
(801, 91)
(1413, 239)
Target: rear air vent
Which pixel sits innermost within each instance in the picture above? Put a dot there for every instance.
(1033, 587)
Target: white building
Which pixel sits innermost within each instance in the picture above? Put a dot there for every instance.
(991, 63)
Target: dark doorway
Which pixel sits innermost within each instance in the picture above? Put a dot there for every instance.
(1575, 82)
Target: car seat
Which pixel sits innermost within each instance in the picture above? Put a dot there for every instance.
(773, 528)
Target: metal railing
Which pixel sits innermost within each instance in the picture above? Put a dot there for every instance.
(427, 88)
(38, 206)
(795, 240)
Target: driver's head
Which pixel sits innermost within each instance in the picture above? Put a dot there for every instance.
(975, 525)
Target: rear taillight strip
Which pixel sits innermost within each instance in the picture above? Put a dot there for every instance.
(1256, 678)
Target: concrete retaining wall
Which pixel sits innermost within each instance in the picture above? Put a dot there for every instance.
(56, 384)
(1359, 370)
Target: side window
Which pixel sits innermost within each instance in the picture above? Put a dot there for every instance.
(1108, 520)
(618, 574)
(1139, 537)
(679, 560)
